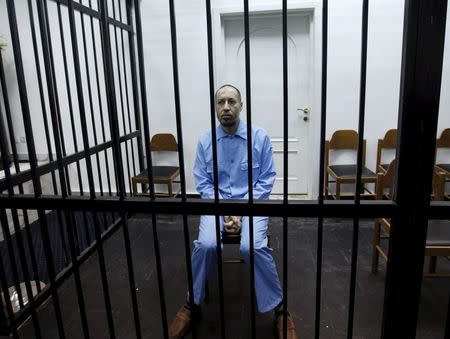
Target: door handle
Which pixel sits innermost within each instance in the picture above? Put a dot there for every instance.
(305, 110)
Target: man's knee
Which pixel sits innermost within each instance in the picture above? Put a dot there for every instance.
(206, 245)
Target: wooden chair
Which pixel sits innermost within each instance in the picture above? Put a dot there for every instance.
(346, 174)
(438, 234)
(388, 142)
(166, 175)
(444, 142)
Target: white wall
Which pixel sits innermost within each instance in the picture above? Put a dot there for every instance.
(383, 70)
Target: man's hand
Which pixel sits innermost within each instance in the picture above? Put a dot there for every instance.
(232, 224)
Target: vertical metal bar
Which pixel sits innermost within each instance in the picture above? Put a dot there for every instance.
(323, 121)
(250, 162)
(41, 91)
(362, 105)
(77, 70)
(122, 107)
(17, 169)
(285, 164)
(135, 88)
(215, 163)
(20, 243)
(146, 127)
(422, 59)
(32, 154)
(127, 97)
(100, 104)
(91, 101)
(447, 322)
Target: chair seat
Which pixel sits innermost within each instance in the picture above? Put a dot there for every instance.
(438, 233)
(445, 167)
(160, 173)
(349, 171)
(231, 238)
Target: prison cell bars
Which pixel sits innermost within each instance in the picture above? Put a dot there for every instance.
(146, 127)
(173, 31)
(215, 164)
(358, 211)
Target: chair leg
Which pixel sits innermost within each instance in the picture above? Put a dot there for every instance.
(169, 187)
(338, 190)
(375, 243)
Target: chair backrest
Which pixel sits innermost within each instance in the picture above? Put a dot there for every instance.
(342, 140)
(386, 181)
(444, 139)
(388, 142)
(164, 142)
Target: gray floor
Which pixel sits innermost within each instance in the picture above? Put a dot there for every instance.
(301, 284)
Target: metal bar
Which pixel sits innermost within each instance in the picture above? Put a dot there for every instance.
(127, 98)
(137, 11)
(31, 148)
(285, 164)
(215, 165)
(69, 99)
(122, 107)
(323, 122)
(423, 44)
(91, 101)
(194, 206)
(135, 88)
(77, 70)
(17, 168)
(250, 162)
(362, 105)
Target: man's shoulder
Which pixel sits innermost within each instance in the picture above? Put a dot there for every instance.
(259, 132)
(205, 138)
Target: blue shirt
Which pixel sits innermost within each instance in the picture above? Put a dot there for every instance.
(233, 164)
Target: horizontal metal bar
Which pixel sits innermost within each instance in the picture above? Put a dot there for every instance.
(96, 14)
(66, 273)
(300, 208)
(25, 176)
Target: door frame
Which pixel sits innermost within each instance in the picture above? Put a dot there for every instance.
(312, 9)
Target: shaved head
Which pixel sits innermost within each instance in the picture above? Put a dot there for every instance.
(230, 86)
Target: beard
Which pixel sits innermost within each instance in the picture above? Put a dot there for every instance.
(228, 121)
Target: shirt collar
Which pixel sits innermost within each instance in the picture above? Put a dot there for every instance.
(240, 132)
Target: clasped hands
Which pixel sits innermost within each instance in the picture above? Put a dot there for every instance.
(232, 224)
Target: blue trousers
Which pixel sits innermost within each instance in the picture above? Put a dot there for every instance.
(267, 284)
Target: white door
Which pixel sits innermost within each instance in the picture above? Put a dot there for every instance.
(267, 85)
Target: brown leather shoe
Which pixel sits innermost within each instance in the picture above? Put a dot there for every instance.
(180, 324)
(291, 330)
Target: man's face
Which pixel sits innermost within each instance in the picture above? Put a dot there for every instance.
(228, 106)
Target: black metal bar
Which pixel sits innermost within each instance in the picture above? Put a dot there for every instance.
(41, 91)
(140, 49)
(77, 69)
(135, 88)
(423, 44)
(323, 121)
(122, 106)
(69, 99)
(285, 164)
(91, 101)
(215, 165)
(250, 162)
(127, 98)
(447, 322)
(362, 105)
(17, 168)
(100, 104)
(32, 150)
